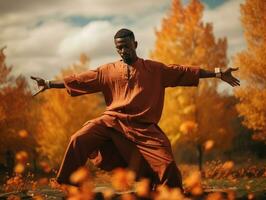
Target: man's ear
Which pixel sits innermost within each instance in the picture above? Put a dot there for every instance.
(136, 44)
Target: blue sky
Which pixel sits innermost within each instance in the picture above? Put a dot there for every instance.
(45, 36)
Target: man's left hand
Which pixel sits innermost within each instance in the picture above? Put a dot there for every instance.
(229, 78)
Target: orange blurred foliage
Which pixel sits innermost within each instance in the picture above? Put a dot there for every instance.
(193, 183)
(122, 179)
(208, 145)
(45, 166)
(251, 61)
(80, 175)
(228, 165)
(22, 157)
(186, 40)
(58, 121)
(142, 188)
(23, 133)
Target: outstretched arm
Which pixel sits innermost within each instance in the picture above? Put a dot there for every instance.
(46, 84)
(226, 76)
(76, 84)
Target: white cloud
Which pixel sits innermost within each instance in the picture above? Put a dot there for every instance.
(40, 42)
(226, 23)
(95, 39)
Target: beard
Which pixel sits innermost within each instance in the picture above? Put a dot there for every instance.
(127, 59)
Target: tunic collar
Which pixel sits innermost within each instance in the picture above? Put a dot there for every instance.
(134, 64)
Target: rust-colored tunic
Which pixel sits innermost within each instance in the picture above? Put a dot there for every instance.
(134, 100)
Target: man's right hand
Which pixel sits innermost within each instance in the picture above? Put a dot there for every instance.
(42, 84)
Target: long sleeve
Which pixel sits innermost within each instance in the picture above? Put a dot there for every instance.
(178, 75)
(83, 83)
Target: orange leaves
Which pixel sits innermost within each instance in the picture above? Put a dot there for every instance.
(19, 168)
(80, 175)
(252, 69)
(57, 121)
(188, 127)
(15, 109)
(208, 145)
(13, 197)
(122, 179)
(228, 165)
(215, 196)
(14, 184)
(193, 183)
(186, 40)
(23, 133)
(143, 188)
(22, 157)
(45, 166)
(163, 193)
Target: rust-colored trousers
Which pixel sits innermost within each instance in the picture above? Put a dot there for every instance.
(118, 151)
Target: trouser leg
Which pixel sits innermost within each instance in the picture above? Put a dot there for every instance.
(81, 145)
(130, 153)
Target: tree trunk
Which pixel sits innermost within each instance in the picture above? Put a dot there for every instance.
(200, 156)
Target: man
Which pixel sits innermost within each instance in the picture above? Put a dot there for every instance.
(127, 134)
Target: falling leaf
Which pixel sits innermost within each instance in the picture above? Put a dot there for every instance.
(19, 168)
(214, 196)
(45, 166)
(23, 133)
(127, 196)
(208, 145)
(196, 190)
(122, 179)
(79, 175)
(251, 196)
(108, 193)
(228, 165)
(143, 188)
(188, 127)
(37, 197)
(193, 183)
(22, 157)
(194, 178)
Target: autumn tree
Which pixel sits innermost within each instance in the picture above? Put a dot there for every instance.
(62, 115)
(252, 63)
(185, 39)
(16, 130)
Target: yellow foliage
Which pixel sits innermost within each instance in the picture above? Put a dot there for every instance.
(62, 116)
(185, 39)
(252, 65)
(15, 104)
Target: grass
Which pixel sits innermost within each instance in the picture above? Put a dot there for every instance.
(241, 186)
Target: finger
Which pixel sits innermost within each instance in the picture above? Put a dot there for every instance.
(234, 69)
(236, 80)
(232, 85)
(33, 77)
(238, 83)
(232, 82)
(39, 91)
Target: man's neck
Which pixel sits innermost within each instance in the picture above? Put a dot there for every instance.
(130, 62)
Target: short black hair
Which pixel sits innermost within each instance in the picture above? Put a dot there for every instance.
(122, 33)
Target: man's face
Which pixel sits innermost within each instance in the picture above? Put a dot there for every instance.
(126, 48)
